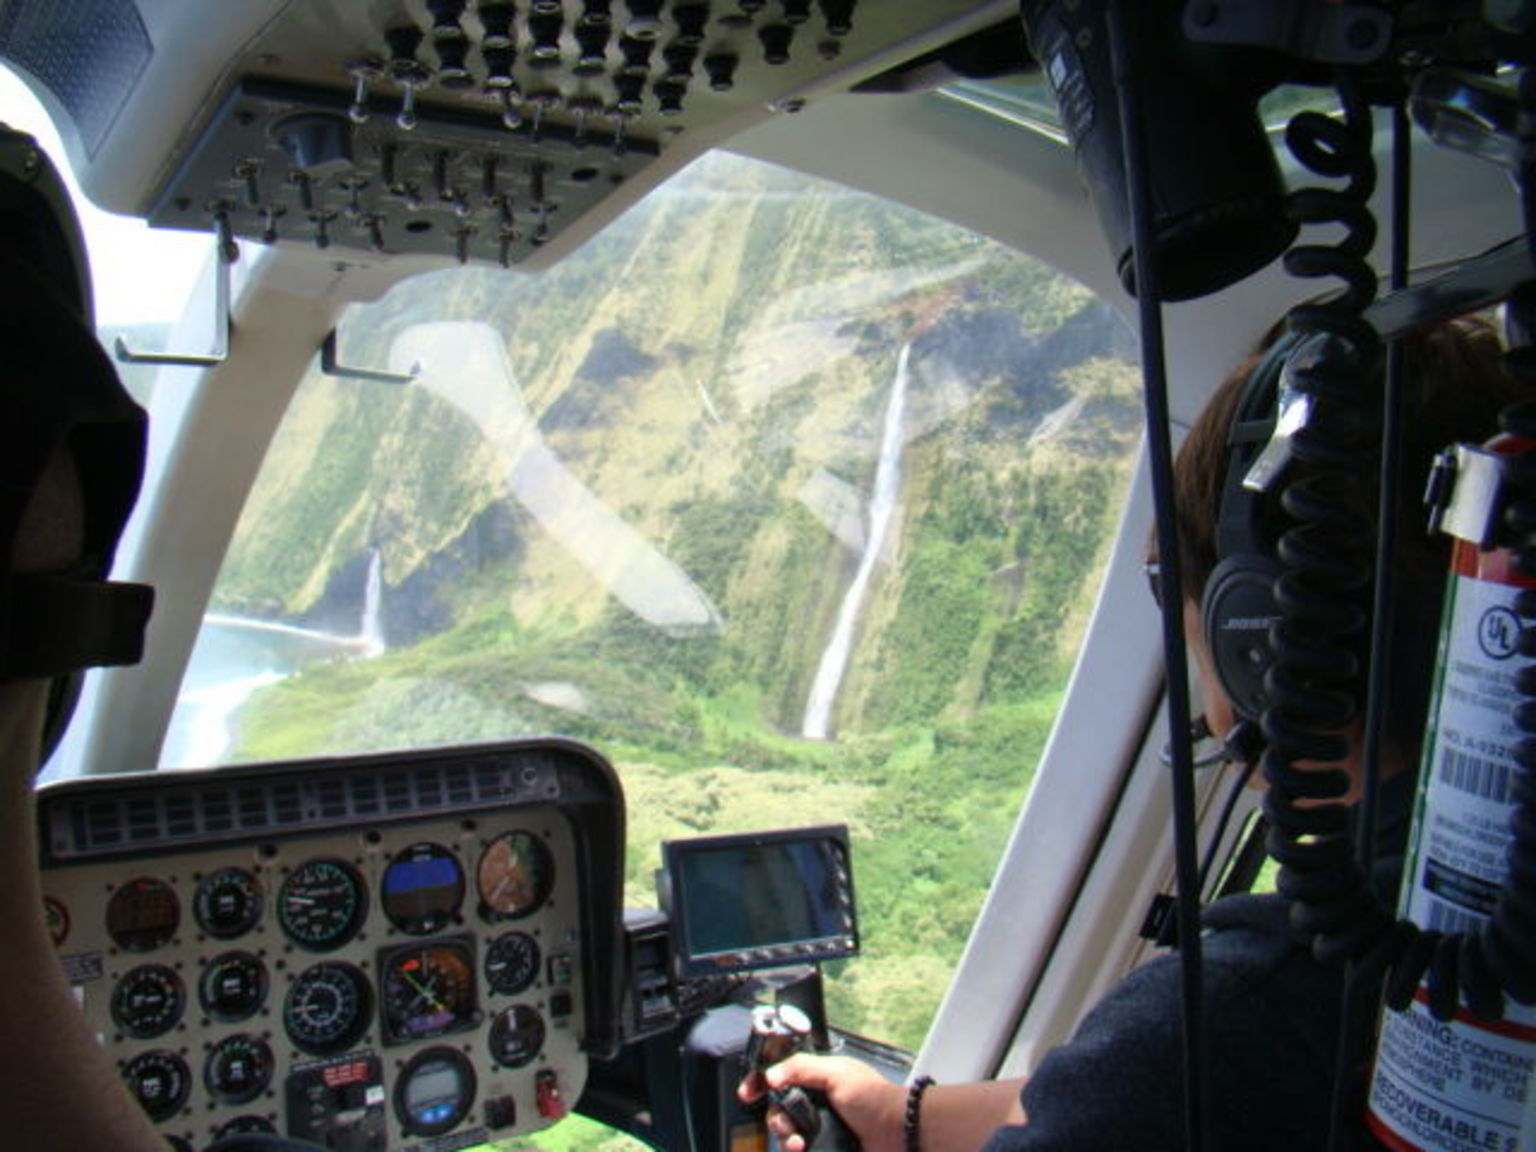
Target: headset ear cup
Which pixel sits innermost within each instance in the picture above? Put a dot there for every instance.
(1236, 613)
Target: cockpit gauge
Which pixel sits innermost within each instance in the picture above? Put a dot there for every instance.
(238, 1069)
(427, 990)
(434, 1092)
(233, 986)
(148, 1001)
(143, 915)
(517, 1036)
(159, 1081)
(322, 904)
(422, 889)
(515, 875)
(511, 963)
(327, 1008)
(228, 903)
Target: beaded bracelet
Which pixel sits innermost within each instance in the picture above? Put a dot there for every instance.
(910, 1141)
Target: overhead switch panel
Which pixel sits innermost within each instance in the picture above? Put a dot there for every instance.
(483, 131)
(286, 162)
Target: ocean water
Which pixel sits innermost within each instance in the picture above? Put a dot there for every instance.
(233, 658)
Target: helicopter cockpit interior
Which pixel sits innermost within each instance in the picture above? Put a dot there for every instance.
(624, 636)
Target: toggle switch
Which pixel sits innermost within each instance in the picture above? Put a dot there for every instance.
(364, 70)
(542, 101)
(270, 215)
(583, 108)
(305, 189)
(322, 223)
(462, 235)
(409, 73)
(247, 174)
(412, 78)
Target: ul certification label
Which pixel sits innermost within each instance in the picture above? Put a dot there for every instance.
(1467, 778)
(1461, 1085)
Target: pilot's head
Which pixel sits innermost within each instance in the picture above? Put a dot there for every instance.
(1455, 388)
(72, 446)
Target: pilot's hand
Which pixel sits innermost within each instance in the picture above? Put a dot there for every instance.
(869, 1104)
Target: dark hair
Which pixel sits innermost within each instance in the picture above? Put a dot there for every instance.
(1455, 388)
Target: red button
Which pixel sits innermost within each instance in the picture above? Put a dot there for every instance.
(547, 1095)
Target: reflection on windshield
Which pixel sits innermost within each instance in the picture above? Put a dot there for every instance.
(465, 365)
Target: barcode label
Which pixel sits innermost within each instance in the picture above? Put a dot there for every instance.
(1443, 917)
(1474, 775)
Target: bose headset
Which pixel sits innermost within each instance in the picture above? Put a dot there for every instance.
(1238, 606)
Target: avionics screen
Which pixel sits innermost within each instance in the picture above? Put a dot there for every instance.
(762, 899)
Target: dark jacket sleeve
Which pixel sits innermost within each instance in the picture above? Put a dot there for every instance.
(1272, 1017)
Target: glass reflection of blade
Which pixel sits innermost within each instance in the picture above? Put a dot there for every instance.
(465, 364)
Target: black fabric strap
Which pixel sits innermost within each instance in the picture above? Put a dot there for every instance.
(60, 624)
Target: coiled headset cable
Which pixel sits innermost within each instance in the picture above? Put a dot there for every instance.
(1316, 677)
(1313, 685)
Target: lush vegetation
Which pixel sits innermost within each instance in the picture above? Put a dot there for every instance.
(714, 371)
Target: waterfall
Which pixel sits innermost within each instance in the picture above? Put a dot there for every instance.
(237, 655)
(371, 631)
(882, 507)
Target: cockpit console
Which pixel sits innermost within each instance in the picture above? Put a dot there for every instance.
(427, 950)
(368, 954)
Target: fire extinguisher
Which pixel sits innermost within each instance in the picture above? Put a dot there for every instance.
(1447, 1078)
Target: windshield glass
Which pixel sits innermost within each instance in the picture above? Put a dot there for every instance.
(791, 500)
(142, 277)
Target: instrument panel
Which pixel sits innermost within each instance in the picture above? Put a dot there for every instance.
(432, 975)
